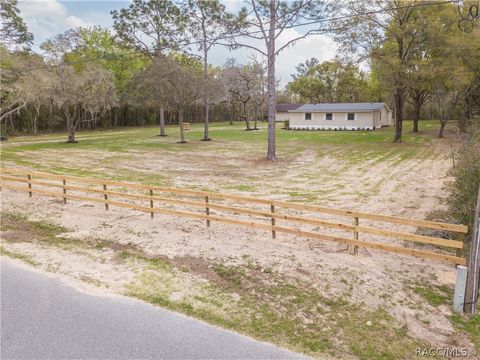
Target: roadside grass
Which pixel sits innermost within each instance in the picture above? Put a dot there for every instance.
(19, 256)
(437, 295)
(287, 312)
(247, 298)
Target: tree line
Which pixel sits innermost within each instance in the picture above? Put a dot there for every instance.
(154, 66)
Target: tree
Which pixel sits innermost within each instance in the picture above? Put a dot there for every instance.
(184, 86)
(208, 25)
(152, 28)
(147, 87)
(13, 30)
(266, 20)
(244, 83)
(389, 33)
(452, 66)
(34, 96)
(12, 65)
(304, 68)
(330, 81)
(96, 43)
(91, 90)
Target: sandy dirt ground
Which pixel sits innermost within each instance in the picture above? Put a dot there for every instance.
(411, 187)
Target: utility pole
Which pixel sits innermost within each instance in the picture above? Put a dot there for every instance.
(473, 276)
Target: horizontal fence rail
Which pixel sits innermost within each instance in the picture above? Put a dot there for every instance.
(206, 203)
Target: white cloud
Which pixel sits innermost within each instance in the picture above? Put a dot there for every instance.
(46, 18)
(319, 46)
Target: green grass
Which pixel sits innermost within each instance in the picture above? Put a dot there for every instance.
(256, 301)
(435, 295)
(122, 140)
(289, 313)
(127, 154)
(470, 326)
(16, 255)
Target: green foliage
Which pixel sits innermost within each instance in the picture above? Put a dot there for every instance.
(330, 81)
(150, 27)
(464, 189)
(13, 30)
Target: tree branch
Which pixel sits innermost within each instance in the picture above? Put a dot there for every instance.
(13, 110)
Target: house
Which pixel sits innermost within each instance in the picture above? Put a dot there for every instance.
(339, 116)
(282, 111)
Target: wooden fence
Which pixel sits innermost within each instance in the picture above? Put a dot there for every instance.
(211, 206)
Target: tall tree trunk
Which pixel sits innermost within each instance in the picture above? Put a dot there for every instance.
(35, 130)
(399, 101)
(232, 113)
(271, 82)
(443, 122)
(180, 124)
(245, 117)
(417, 105)
(162, 121)
(206, 99)
(70, 128)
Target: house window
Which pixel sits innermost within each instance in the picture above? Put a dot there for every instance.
(308, 116)
(351, 116)
(328, 116)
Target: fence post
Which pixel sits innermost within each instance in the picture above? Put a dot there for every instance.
(355, 235)
(29, 177)
(274, 233)
(151, 202)
(105, 196)
(207, 210)
(473, 275)
(460, 284)
(354, 249)
(64, 191)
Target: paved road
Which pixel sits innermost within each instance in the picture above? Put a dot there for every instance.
(43, 318)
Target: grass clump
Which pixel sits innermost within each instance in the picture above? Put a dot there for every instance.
(284, 311)
(470, 326)
(16, 255)
(435, 295)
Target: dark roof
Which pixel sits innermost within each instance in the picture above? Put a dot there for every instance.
(287, 107)
(340, 107)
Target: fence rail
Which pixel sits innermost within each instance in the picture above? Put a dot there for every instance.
(276, 212)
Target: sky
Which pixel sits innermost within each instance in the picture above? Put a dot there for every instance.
(46, 18)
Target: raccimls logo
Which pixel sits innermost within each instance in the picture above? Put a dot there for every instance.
(466, 22)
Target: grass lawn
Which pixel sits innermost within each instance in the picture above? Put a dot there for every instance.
(229, 140)
(302, 295)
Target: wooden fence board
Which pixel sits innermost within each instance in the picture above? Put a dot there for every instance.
(107, 195)
(341, 212)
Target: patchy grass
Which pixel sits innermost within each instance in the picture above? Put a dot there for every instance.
(227, 139)
(435, 295)
(290, 313)
(470, 326)
(19, 256)
(252, 300)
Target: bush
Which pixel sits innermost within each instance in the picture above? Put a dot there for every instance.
(464, 188)
(286, 124)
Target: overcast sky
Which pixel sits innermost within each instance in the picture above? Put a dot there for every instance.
(46, 18)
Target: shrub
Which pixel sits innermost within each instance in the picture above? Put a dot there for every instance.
(464, 188)
(286, 124)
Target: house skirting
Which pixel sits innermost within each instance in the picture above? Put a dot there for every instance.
(331, 127)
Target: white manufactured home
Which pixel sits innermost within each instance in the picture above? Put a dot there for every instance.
(337, 116)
